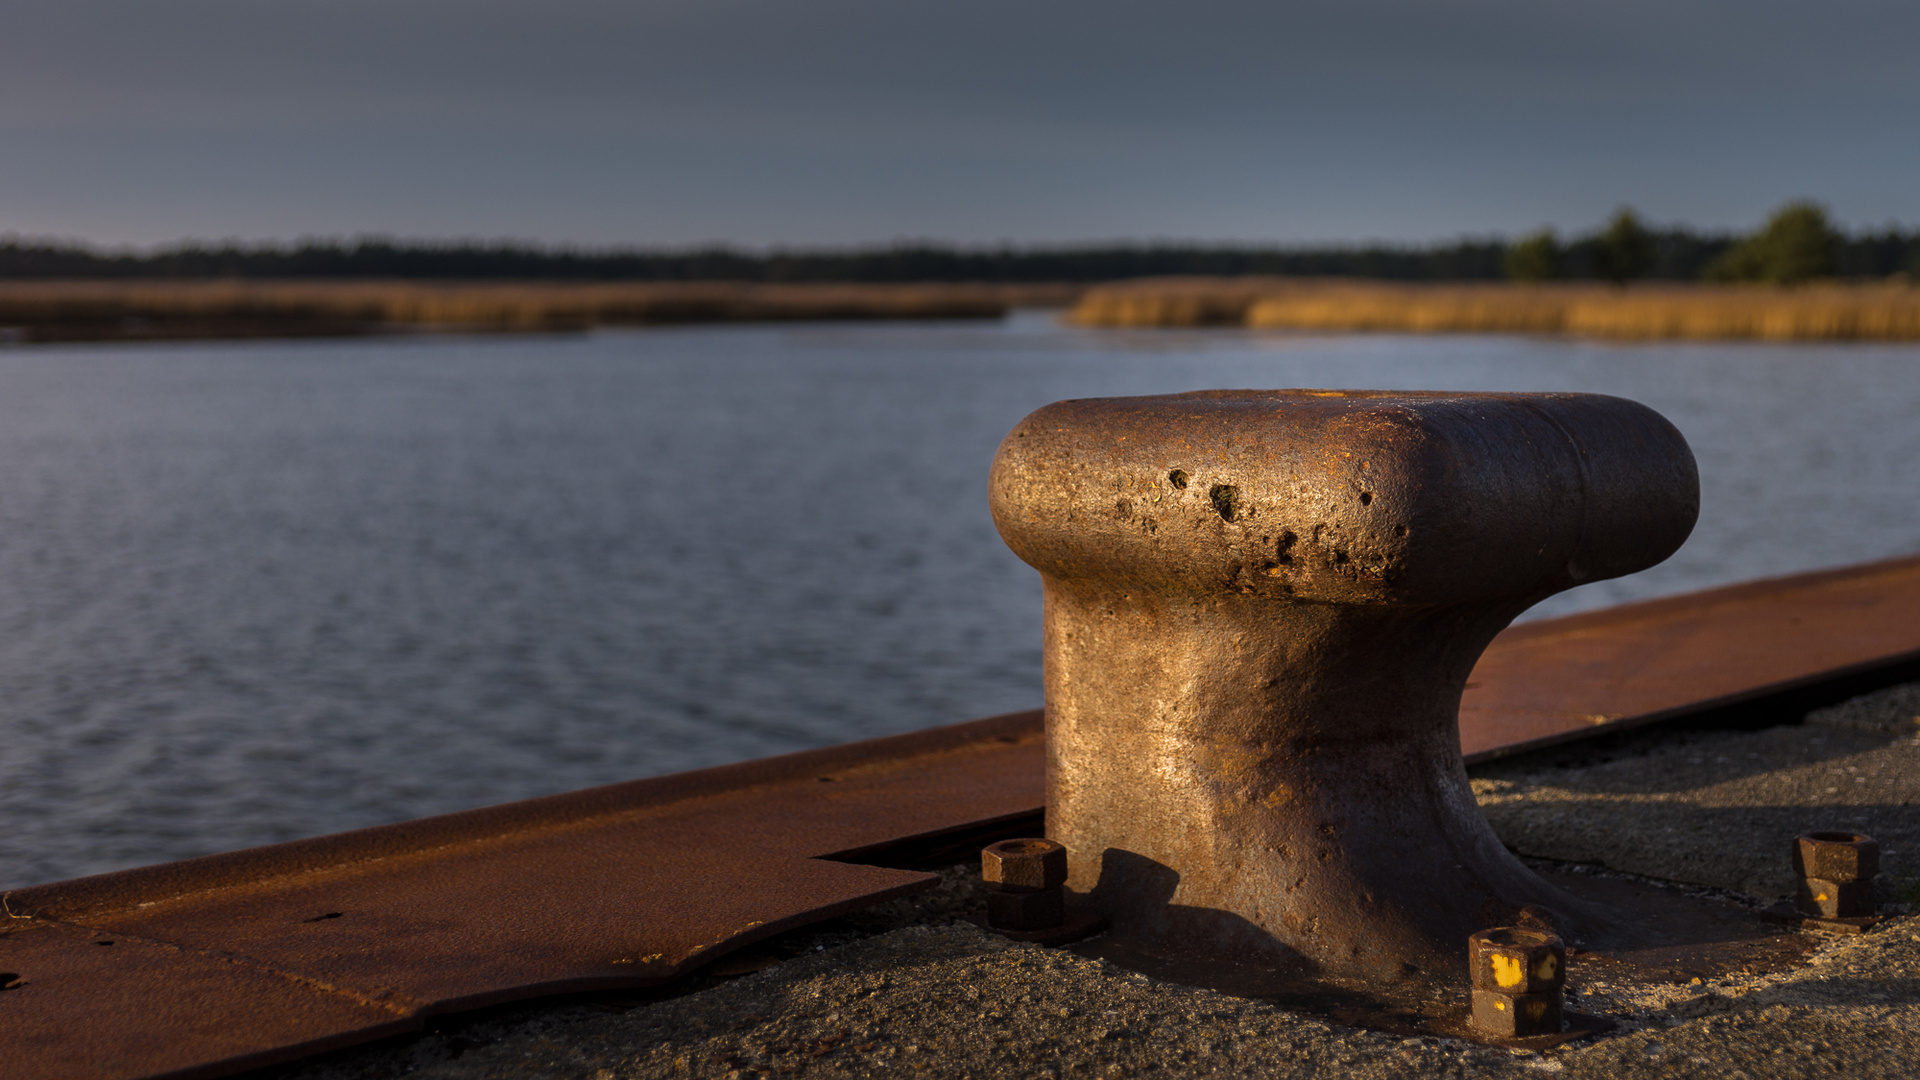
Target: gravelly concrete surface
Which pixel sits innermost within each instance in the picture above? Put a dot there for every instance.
(1721, 807)
(937, 998)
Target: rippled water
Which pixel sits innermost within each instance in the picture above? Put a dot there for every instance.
(258, 591)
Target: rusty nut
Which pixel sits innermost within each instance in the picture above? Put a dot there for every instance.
(1516, 1016)
(1517, 960)
(1836, 856)
(1041, 910)
(1835, 899)
(1027, 865)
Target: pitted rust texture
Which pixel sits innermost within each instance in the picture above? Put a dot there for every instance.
(1261, 611)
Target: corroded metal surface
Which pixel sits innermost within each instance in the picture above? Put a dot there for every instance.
(1557, 679)
(1836, 871)
(1518, 974)
(233, 961)
(1262, 608)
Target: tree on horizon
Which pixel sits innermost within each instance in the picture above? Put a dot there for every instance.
(1624, 250)
(1534, 257)
(1796, 245)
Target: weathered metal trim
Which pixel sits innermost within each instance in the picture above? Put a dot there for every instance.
(1862, 678)
(1864, 635)
(1683, 603)
(950, 846)
(119, 890)
(277, 952)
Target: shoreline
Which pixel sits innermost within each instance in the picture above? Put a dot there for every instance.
(1643, 312)
(54, 312)
(49, 312)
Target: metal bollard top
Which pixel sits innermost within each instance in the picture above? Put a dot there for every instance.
(1345, 496)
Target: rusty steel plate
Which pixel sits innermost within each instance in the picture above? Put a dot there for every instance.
(92, 1004)
(234, 961)
(1554, 680)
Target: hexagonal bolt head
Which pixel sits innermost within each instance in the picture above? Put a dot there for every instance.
(1836, 856)
(1834, 899)
(1026, 865)
(1516, 960)
(1041, 910)
(1516, 1016)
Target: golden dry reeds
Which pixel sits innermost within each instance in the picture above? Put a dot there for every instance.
(127, 310)
(1880, 312)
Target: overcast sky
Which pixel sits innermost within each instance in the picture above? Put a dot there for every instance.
(807, 122)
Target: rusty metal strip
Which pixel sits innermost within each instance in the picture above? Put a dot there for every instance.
(359, 935)
(235, 961)
(92, 1004)
(1555, 680)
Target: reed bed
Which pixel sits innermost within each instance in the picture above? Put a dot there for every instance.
(132, 310)
(1880, 312)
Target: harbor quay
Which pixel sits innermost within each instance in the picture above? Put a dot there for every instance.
(911, 987)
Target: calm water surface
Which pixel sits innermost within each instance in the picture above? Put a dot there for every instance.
(259, 591)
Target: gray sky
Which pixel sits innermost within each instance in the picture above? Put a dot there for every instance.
(669, 122)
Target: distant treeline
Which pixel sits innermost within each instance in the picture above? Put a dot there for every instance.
(1796, 244)
(900, 263)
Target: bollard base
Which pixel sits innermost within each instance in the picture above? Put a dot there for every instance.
(1691, 936)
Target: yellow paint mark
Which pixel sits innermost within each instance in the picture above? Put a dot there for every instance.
(1501, 1005)
(1278, 795)
(1508, 970)
(1548, 966)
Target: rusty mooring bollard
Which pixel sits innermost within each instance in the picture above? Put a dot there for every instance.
(1519, 976)
(1025, 879)
(1836, 871)
(1261, 610)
